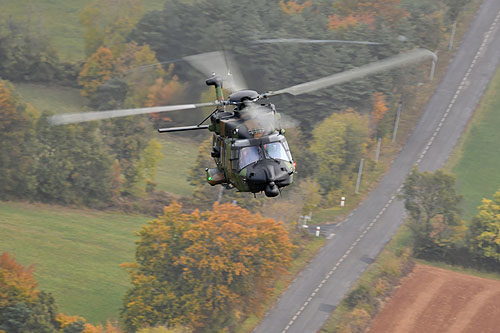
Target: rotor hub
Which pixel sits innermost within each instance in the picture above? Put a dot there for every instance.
(243, 95)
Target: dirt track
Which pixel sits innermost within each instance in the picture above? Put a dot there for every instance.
(436, 300)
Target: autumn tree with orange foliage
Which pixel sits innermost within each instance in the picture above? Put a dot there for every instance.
(163, 92)
(203, 270)
(17, 284)
(22, 307)
(379, 107)
(97, 70)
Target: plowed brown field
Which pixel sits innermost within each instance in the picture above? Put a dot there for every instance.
(437, 300)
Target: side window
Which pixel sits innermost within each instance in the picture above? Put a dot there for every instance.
(235, 165)
(248, 155)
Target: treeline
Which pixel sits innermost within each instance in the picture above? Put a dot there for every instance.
(94, 164)
(26, 54)
(77, 164)
(439, 232)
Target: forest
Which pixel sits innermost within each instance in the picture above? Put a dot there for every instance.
(209, 260)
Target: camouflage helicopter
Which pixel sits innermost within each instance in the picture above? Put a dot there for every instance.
(250, 150)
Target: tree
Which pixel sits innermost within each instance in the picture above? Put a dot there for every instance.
(17, 284)
(107, 22)
(73, 165)
(454, 8)
(339, 143)
(110, 328)
(22, 307)
(433, 207)
(97, 69)
(203, 269)
(139, 67)
(379, 107)
(485, 229)
(26, 54)
(16, 144)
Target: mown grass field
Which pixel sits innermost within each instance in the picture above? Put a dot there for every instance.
(59, 19)
(179, 156)
(76, 254)
(52, 98)
(476, 159)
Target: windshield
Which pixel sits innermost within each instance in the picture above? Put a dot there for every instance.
(275, 150)
(248, 155)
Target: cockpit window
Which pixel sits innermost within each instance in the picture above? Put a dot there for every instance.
(248, 155)
(275, 150)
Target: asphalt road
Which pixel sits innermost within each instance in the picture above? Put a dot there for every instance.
(310, 299)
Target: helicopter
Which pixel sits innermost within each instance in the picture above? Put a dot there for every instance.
(249, 148)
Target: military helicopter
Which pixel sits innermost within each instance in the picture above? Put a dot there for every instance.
(250, 150)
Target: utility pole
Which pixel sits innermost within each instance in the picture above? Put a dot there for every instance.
(360, 171)
(377, 153)
(396, 122)
(452, 38)
(433, 69)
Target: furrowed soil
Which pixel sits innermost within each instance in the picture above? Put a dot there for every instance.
(433, 299)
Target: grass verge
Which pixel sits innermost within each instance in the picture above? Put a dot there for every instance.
(460, 269)
(76, 254)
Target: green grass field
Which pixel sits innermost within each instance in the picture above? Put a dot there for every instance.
(476, 159)
(179, 156)
(53, 98)
(59, 19)
(76, 254)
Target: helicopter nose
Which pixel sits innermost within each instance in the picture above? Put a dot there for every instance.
(268, 176)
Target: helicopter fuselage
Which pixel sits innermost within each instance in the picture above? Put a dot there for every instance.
(250, 150)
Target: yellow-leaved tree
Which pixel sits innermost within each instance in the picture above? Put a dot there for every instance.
(485, 229)
(339, 143)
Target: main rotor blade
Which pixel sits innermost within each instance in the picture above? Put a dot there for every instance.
(406, 58)
(312, 41)
(182, 129)
(221, 63)
(71, 118)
